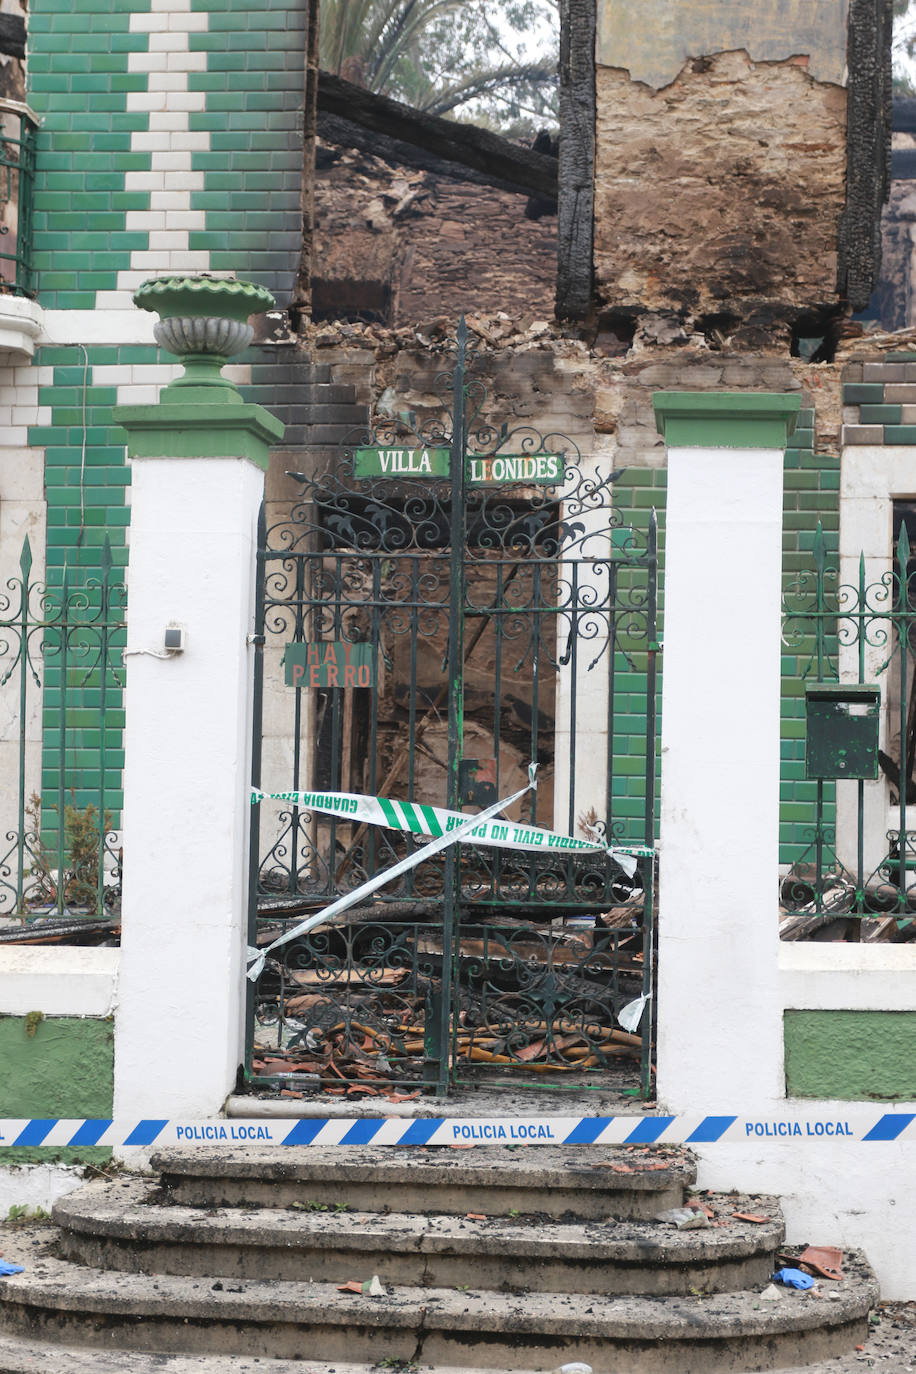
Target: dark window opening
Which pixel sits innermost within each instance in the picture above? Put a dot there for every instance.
(366, 302)
(814, 336)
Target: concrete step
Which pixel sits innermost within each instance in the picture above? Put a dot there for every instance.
(125, 1227)
(580, 1181)
(20, 1355)
(280, 1319)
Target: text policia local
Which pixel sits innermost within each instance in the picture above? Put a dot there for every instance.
(774, 1128)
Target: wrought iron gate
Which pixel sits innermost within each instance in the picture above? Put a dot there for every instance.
(425, 638)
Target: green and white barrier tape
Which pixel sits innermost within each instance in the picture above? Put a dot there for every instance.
(435, 821)
(257, 957)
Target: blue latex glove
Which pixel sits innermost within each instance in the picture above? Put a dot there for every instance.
(10, 1269)
(793, 1278)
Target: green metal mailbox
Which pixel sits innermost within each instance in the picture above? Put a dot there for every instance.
(842, 738)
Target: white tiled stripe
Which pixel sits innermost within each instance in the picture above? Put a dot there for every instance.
(170, 143)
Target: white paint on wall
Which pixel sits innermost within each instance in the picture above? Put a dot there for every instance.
(822, 976)
(718, 937)
(179, 1026)
(98, 327)
(724, 978)
(37, 1185)
(58, 981)
(832, 1192)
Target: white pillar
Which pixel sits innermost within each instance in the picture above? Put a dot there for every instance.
(179, 1026)
(719, 1010)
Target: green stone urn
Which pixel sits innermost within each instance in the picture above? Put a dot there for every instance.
(204, 321)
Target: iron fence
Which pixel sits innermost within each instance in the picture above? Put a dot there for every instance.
(856, 878)
(61, 677)
(18, 128)
(497, 624)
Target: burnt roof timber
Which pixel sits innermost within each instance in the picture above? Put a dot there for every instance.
(376, 124)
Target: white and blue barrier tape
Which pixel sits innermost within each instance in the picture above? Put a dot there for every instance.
(547, 1130)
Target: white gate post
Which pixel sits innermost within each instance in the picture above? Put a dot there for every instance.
(719, 1013)
(198, 462)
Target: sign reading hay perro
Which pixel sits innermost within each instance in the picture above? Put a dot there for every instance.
(482, 469)
(330, 663)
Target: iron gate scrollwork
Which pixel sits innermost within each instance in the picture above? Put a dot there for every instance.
(508, 622)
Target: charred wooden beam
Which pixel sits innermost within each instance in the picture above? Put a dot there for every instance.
(868, 160)
(355, 117)
(12, 35)
(303, 294)
(342, 134)
(578, 113)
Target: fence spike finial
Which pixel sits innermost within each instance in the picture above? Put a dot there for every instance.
(903, 549)
(25, 558)
(819, 546)
(106, 559)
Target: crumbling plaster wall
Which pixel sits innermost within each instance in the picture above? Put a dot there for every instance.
(720, 190)
(657, 37)
(721, 159)
(543, 376)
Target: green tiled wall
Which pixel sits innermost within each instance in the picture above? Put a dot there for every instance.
(636, 493)
(811, 494)
(78, 83)
(254, 86)
(86, 477)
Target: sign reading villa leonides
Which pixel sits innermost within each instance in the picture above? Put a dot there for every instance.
(545, 469)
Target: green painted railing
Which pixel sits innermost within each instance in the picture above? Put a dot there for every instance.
(18, 126)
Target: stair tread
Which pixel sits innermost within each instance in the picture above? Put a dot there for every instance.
(129, 1211)
(69, 1287)
(22, 1355)
(595, 1167)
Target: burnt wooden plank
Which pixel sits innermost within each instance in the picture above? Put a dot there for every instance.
(868, 165)
(12, 35)
(374, 123)
(576, 202)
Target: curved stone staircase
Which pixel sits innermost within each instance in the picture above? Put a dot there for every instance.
(493, 1259)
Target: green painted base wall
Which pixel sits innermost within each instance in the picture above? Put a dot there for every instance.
(855, 1056)
(65, 1069)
